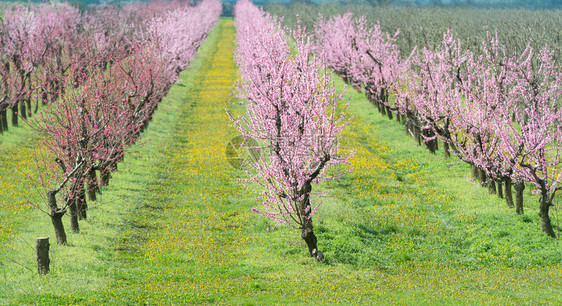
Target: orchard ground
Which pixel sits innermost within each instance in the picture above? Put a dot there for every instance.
(175, 225)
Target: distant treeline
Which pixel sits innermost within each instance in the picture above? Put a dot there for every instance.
(421, 26)
(537, 4)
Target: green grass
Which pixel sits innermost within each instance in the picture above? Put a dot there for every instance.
(175, 225)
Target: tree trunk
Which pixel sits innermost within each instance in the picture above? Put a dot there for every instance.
(23, 111)
(446, 151)
(92, 185)
(508, 194)
(311, 241)
(482, 177)
(307, 232)
(519, 187)
(492, 186)
(408, 126)
(398, 117)
(417, 132)
(382, 109)
(500, 189)
(56, 217)
(389, 113)
(42, 249)
(105, 175)
(4, 117)
(15, 115)
(74, 216)
(28, 102)
(431, 145)
(475, 173)
(453, 148)
(545, 218)
(81, 204)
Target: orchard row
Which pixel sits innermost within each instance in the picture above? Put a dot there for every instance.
(291, 113)
(498, 112)
(49, 48)
(101, 76)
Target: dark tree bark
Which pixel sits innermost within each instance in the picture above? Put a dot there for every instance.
(4, 119)
(310, 239)
(43, 261)
(418, 133)
(307, 230)
(28, 102)
(81, 204)
(519, 187)
(508, 193)
(500, 189)
(92, 185)
(56, 217)
(546, 225)
(446, 150)
(389, 113)
(23, 111)
(74, 216)
(15, 115)
(430, 144)
(398, 117)
(492, 186)
(408, 125)
(475, 172)
(105, 175)
(482, 177)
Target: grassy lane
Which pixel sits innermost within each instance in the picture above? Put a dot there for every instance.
(17, 154)
(197, 212)
(20, 147)
(175, 226)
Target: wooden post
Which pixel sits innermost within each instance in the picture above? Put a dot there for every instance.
(42, 245)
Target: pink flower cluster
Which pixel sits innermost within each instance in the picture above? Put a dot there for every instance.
(291, 111)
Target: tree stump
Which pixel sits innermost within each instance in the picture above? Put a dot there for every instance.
(43, 261)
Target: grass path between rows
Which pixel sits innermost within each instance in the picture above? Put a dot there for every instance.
(175, 226)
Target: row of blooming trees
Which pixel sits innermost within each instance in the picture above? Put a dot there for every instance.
(107, 94)
(291, 111)
(500, 113)
(45, 46)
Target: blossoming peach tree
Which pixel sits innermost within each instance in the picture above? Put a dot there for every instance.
(291, 110)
